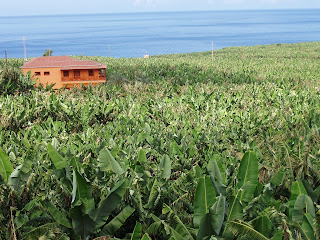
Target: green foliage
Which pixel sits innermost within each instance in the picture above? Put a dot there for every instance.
(172, 147)
(118, 221)
(205, 197)
(165, 167)
(47, 52)
(5, 166)
(263, 225)
(57, 215)
(56, 158)
(240, 228)
(137, 232)
(216, 177)
(107, 162)
(296, 191)
(248, 176)
(107, 205)
(12, 80)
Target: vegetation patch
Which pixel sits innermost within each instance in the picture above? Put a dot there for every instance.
(171, 147)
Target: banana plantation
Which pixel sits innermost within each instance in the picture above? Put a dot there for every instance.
(175, 147)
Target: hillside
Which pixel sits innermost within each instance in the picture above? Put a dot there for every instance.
(171, 146)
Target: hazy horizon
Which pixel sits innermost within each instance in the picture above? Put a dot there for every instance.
(169, 11)
(76, 7)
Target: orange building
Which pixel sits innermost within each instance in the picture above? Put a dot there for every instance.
(65, 71)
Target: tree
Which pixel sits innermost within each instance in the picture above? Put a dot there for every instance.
(47, 52)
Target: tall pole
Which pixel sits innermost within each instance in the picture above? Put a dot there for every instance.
(24, 48)
(212, 53)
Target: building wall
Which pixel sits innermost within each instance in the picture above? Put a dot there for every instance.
(54, 77)
(84, 75)
(84, 78)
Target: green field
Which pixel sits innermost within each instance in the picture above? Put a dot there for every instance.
(171, 147)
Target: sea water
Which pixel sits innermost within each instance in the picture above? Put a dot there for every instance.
(137, 34)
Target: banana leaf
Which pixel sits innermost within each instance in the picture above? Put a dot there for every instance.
(58, 216)
(80, 188)
(242, 229)
(109, 204)
(296, 190)
(108, 163)
(6, 167)
(205, 197)
(216, 177)
(303, 204)
(82, 224)
(263, 225)
(248, 176)
(58, 161)
(118, 221)
(165, 167)
(137, 232)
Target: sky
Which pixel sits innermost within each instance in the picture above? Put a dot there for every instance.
(45, 7)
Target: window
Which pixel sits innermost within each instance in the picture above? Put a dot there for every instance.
(66, 73)
(91, 73)
(47, 73)
(76, 73)
(37, 73)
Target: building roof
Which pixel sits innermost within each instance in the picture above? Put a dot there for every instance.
(63, 62)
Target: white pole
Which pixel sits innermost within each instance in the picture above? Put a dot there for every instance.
(212, 53)
(24, 48)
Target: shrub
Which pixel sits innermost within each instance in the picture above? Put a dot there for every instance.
(12, 80)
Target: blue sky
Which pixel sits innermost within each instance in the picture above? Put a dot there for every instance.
(43, 7)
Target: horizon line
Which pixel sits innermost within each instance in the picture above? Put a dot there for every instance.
(152, 12)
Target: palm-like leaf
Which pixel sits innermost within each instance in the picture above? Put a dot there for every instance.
(6, 167)
(248, 176)
(118, 221)
(108, 163)
(137, 232)
(317, 225)
(37, 232)
(205, 197)
(241, 228)
(296, 190)
(306, 229)
(165, 167)
(58, 161)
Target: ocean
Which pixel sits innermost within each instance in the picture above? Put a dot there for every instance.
(137, 34)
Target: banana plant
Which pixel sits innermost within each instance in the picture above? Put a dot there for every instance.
(243, 193)
(149, 192)
(85, 217)
(18, 182)
(301, 221)
(302, 212)
(216, 217)
(211, 214)
(137, 233)
(88, 217)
